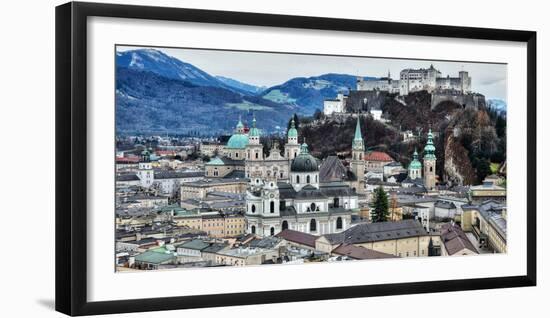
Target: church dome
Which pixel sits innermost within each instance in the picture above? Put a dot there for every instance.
(415, 164)
(293, 132)
(238, 141)
(304, 162)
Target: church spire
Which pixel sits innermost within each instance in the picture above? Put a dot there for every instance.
(358, 135)
(357, 143)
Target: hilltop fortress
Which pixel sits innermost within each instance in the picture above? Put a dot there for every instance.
(455, 89)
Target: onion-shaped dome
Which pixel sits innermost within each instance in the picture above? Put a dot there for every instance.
(254, 132)
(292, 132)
(415, 164)
(429, 149)
(304, 162)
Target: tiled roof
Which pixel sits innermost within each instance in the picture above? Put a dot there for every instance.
(127, 177)
(332, 169)
(298, 237)
(194, 245)
(154, 257)
(377, 156)
(455, 239)
(381, 231)
(358, 252)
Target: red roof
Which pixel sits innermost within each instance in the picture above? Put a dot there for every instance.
(358, 252)
(129, 159)
(377, 156)
(298, 237)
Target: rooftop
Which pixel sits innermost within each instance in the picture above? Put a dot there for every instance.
(298, 237)
(358, 252)
(381, 231)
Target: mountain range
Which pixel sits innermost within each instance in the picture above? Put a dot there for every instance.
(159, 93)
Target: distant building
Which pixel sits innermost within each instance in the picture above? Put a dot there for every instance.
(376, 160)
(199, 189)
(413, 80)
(488, 190)
(336, 105)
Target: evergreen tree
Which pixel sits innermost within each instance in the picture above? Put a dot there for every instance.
(380, 204)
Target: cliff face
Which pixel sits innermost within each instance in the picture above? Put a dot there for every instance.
(457, 167)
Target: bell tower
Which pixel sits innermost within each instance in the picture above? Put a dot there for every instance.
(292, 147)
(429, 162)
(357, 160)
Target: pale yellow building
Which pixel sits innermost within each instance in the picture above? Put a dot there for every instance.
(199, 189)
(487, 222)
(406, 238)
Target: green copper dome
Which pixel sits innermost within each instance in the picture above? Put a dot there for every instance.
(292, 132)
(237, 141)
(304, 162)
(415, 164)
(240, 123)
(254, 132)
(429, 149)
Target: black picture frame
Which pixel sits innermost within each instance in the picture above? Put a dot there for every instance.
(71, 157)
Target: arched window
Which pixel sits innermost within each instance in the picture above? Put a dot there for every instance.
(236, 155)
(257, 155)
(297, 179)
(272, 231)
(284, 226)
(307, 179)
(253, 229)
(313, 206)
(316, 180)
(339, 223)
(312, 225)
(431, 168)
(272, 207)
(253, 208)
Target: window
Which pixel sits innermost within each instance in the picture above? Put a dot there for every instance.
(272, 231)
(284, 226)
(297, 179)
(312, 225)
(272, 207)
(336, 202)
(253, 229)
(431, 169)
(236, 155)
(281, 175)
(253, 208)
(308, 180)
(256, 155)
(339, 223)
(313, 206)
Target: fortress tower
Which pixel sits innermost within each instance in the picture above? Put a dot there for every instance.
(429, 163)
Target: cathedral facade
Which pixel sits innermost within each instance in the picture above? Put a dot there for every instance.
(301, 202)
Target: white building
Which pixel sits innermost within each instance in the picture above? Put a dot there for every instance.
(336, 105)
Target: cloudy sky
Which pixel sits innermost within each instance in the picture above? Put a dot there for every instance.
(269, 69)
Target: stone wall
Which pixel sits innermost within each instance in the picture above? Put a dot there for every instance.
(475, 101)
